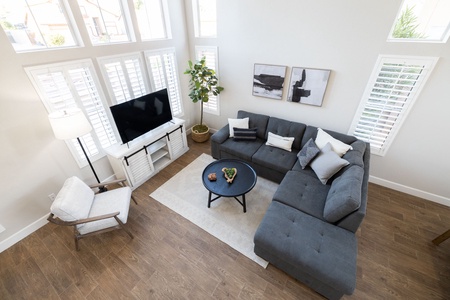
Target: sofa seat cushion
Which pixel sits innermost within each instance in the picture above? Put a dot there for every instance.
(117, 200)
(73, 201)
(324, 251)
(241, 149)
(304, 192)
(344, 196)
(275, 158)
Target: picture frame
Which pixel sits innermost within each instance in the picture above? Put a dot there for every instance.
(308, 86)
(268, 81)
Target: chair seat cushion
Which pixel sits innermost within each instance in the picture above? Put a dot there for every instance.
(105, 203)
(73, 201)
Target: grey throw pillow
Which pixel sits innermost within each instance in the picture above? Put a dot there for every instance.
(308, 153)
(327, 163)
(344, 196)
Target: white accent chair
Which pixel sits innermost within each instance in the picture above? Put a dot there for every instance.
(77, 205)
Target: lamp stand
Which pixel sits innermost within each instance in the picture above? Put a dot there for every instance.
(102, 188)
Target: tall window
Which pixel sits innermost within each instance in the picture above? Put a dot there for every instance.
(162, 66)
(36, 25)
(152, 17)
(422, 21)
(125, 77)
(392, 90)
(211, 55)
(74, 84)
(105, 21)
(205, 18)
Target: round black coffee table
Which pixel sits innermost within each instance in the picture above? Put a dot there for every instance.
(243, 182)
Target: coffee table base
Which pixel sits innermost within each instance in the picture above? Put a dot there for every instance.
(235, 197)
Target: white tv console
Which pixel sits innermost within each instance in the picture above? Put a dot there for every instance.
(145, 156)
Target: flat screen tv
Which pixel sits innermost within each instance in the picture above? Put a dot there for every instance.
(138, 116)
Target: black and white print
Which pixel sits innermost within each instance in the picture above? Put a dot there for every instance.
(268, 81)
(307, 86)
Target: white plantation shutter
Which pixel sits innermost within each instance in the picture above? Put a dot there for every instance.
(124, 76)
(162, 67)
(392, 90)
(212, 61)
(74, 84)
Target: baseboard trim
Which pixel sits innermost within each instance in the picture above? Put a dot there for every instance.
(23, 233)
(411, 191)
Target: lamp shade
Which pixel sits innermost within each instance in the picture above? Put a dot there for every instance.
(69, 124)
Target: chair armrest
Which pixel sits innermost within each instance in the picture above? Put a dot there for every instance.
(103, 184)
(58, 221)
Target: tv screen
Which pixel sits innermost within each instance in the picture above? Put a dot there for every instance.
(138, 116)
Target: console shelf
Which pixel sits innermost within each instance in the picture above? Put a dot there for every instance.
(147, 155)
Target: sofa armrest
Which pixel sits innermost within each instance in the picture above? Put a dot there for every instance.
(217, 139)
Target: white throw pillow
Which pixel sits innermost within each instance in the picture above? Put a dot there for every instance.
(238, 123)
(339, 147)
(280, 141)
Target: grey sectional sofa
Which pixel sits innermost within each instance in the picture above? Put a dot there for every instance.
(309, 228)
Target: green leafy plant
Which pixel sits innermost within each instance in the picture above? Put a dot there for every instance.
(406, 26)
(203, 82)
(57, 39)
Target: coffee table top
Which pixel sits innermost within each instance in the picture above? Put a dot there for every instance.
(243, 182)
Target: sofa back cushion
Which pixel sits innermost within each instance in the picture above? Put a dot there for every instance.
(344, 196)
(257, 121)
(73, 201)
(311, 133)
(287, 129)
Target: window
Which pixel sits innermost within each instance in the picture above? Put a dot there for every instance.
(125, 77)
(105, 21)
(392, 89)
(210, 54)
(36, 25)
(422, 21)
(162, 67)
(205, 18)
(152, 17)
(74, 84)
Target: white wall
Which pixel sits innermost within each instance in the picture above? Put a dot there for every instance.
(346, 37)
(33, 162)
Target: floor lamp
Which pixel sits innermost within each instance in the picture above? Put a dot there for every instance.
(70, 124)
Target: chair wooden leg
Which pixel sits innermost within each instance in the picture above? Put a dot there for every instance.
(134, 199)
(442, 237)
(123, 227)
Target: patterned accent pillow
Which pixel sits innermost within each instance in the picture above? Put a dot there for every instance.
(308, 153)
(244, 134)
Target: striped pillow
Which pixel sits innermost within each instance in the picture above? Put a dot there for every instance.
(244, 134)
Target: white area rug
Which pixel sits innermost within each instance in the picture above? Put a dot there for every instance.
(185, 194)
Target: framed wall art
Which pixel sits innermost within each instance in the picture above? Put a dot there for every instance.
(268, 81)
(308, 86)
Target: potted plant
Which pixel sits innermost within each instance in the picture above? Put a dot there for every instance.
(203, 83)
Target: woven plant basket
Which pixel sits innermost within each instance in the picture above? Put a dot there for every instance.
(199, 137)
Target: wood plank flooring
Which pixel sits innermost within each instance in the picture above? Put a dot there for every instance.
(170, 258)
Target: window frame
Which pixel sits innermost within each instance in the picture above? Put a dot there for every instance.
(121, 58)
(212, 107)
(444, 37)
(174, 89)
(197, 20)
(428, 65)
(127, 23)
(166, 22)
(72, 25)
(65, 67)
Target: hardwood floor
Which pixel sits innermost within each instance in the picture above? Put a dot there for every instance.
(170, 258)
